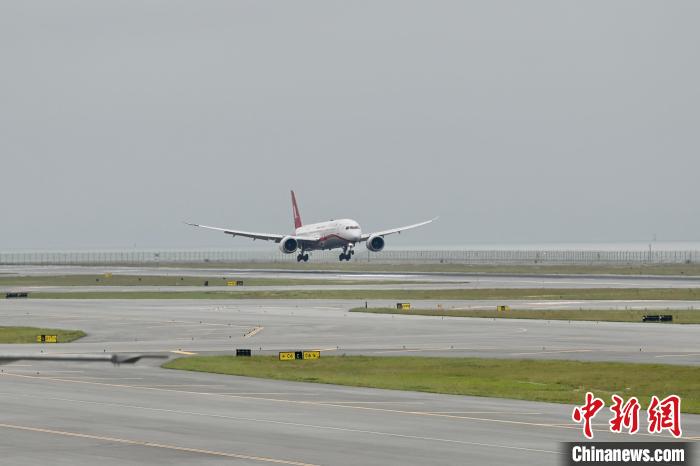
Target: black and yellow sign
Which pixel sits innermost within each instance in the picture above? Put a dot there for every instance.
(312, 354)
(293, 355)
(47, 338)
(403, 306)
(503, 308)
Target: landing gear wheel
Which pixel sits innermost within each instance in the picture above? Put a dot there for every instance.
(299, 257)
(341, 257)
(305, 258)
(352, 252)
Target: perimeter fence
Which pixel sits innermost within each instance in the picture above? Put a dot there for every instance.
(475, 257)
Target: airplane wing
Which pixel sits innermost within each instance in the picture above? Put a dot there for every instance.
(249, 234)
(366, 236)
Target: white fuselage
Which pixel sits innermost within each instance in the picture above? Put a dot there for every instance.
(332, 234)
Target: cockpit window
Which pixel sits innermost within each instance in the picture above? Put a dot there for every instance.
(355, 227)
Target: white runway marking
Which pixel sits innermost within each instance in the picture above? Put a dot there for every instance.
(553, 352)
(677, 355)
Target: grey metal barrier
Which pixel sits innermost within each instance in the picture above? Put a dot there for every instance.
(475, 257)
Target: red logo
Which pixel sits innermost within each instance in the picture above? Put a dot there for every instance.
(665, 415)
(661, 415)
(626, 415)
(587, 412)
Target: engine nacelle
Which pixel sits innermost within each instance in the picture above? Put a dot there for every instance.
(375, 243)
(289, 245)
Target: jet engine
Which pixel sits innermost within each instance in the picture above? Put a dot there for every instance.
(289, 245)
(375, 243)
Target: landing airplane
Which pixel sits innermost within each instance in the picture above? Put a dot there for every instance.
(343, 233)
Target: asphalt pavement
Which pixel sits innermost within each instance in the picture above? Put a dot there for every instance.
(69, 413)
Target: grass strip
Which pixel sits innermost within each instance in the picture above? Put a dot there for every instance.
(685, 316)
(400, 295)
(164, 280)
(29, 334)
(536, 380)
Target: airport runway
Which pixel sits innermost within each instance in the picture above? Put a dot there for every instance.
(430, 280)
(80, 415)
(85, 414)
(269, 326)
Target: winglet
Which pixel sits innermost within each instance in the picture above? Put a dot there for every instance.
(295, 211)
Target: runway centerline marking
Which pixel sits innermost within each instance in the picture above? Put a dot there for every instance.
(153, 445)
(307, 402)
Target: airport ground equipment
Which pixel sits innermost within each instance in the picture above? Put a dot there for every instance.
(657, 318)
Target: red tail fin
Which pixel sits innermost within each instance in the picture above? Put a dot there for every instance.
(295, 210)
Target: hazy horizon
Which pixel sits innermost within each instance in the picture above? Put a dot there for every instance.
(515, 122)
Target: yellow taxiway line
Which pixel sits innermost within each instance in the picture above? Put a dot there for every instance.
(153, 445)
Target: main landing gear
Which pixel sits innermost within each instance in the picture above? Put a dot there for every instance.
(347, 254)
(302, 257)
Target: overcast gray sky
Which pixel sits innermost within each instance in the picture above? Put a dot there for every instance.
(515, 121)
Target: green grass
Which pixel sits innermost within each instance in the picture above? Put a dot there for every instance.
(553, 381)
(400, 295)
(164, 280)
(685, 316)
(29, 334)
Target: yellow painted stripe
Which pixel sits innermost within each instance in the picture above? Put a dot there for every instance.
(253, 332)
(319, 403)
(154, 445)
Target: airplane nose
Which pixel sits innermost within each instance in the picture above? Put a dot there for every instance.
(356, 234)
